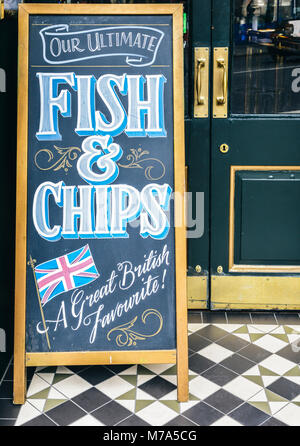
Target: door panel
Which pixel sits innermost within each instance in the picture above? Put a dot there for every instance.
(255, 246)
(264, 222)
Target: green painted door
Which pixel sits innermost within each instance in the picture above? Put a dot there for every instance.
(255, 184)
(244, 155)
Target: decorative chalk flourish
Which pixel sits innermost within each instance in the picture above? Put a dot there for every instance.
(129, 337)
(57, 158)
(137, 160)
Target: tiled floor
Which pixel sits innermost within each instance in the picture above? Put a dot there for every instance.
(243, 370)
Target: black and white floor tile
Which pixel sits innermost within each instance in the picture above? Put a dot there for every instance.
(243, 371)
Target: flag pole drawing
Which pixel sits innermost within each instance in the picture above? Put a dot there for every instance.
(67, 272)
(31, 263)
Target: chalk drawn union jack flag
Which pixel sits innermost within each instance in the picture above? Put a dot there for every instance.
(72, 270)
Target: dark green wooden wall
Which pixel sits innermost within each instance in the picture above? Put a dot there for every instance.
(8, 128)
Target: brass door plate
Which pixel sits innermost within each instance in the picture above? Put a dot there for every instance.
(255, 292)
(220, 82)
(201, 79)
(197, 292)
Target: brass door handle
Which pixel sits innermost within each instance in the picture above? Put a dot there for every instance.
(200, 65)
(201, 79)
(222, 99)
(220, 82)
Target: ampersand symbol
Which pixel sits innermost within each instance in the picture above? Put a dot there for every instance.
(99, 150)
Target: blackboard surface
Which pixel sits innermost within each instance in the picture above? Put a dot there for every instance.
(100, 282)
(100, 273)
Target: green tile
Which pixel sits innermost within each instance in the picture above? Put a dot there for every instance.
(255, 379)
(290, 330)
(266, 372)
(43, 394)
(293, 372)
(242, 330)
(261, 405)
(170, 371)
(141, 370)
(191, 377)
(128, 395)
(282, 337)
(51, 403)
(273, 397)
(171, 404)
(141, 404)
(255, 336)
(59, 377)
(131, 379)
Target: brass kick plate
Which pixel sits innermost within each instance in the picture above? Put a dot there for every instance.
(220, 82)
(201, 77)
(197, 292)
(255, 292)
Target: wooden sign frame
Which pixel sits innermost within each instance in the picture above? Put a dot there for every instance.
(178, 356)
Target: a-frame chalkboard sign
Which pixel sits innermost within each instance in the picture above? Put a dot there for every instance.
(100, 262)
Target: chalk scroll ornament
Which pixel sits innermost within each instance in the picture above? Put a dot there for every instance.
(128, 337)
(138, 159)
(56, 158)
(123, 41)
